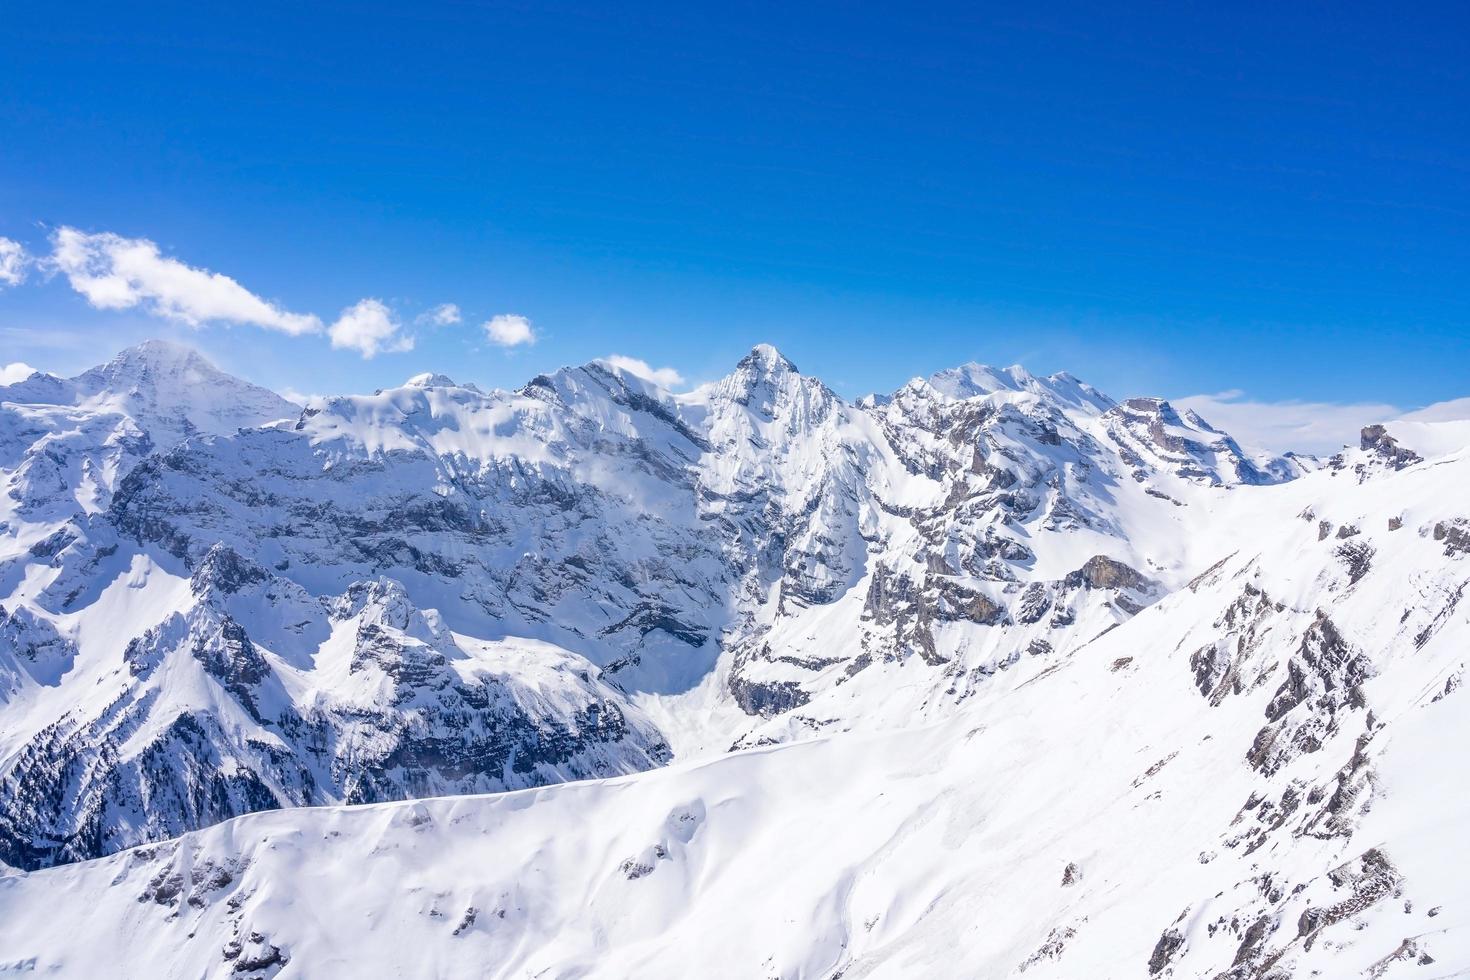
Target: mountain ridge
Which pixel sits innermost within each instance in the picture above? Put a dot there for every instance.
(1231, 783)
(435, 590)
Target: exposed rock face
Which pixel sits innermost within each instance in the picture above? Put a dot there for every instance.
(1153, 435)
(1377, 452)
(415, 714)
(1102, 572)
(32, 651)
(768, 699)
(1322, 679)
(1230, 663)
(1456, 536)
(1168, 945)
(1376, 440)
(1356, 558)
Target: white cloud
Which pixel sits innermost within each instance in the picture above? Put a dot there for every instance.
(509, 330)
(369, 328)
(299, 398)
(15, 372)
(1312, 427)
(1454, 410)
(664, 377)
(442, 315)
(13, 262)
(115, 273)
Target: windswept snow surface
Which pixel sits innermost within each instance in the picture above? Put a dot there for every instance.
(990, 677)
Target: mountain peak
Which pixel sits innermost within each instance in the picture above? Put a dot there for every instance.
(430, 380)
(159, 346)
(159, 352)
(975, 380)
(151, 363)
(172, 390)
(768, 384)
(767, 360)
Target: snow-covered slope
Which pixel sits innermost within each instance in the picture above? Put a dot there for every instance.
(1256, 776)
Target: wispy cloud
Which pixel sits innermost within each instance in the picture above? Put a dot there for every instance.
(370, 328)
(13, 262)
(1303, 426)
(115, 273)
(509, 330)
(664, 377)
(443, 315)
(1454, 410)
(299, 397)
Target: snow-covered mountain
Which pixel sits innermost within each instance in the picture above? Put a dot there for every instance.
(65, 442)
(987, 676)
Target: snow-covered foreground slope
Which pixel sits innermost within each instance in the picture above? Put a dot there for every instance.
(1258, 775)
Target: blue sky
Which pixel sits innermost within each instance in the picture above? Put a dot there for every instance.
(1175, 199)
